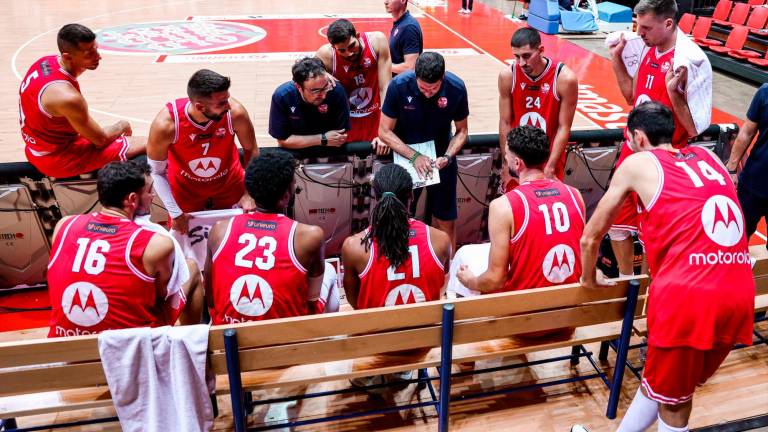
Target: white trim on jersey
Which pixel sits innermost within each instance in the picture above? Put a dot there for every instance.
(663, 399)
(124, 150)
(512, 88)
(560, 67)
(175, 112)
(223, 240)
(61, 69)
(333, 61)
(291, 250)
(192, 122)
(576, 203)
(133, 268)
(373, 51)
(40, 96)
(229, 123)
(371, 256)
(717, 160)
(61, 242)
(541, 75)
(660, 186)
(432, 250)
(524, 225)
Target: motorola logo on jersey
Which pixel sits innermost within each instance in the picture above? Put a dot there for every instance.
(558, 264)
(533, 119)
(84, 304)
(205, 167)
(722, 220)
(404, 294)
(251, 295)
(641, 99)
(360, 97)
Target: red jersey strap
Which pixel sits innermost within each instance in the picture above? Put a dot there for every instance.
(292, 248)
(439, 263)
(59, 241)
(514, 197)
(560, 66)
(175, 116)
(134, 255)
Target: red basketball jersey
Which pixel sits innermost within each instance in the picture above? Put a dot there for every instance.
(255, 272)
(418, 279)
(202, 159)
(702, 292)
(42, 132)
(651, 85)
(535, 101)
(549, 221)
(361, 81)
(96, 277)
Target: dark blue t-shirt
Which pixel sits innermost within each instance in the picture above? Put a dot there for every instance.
(405, 38)
(755, 174)
(420, 119)
(290, 115)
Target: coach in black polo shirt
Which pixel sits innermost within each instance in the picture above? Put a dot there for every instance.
(420, 107)
(309, 111)
(405, 39)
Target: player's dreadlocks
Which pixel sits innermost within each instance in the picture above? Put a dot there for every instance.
(390, 226)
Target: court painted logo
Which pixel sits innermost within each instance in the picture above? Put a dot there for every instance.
(177, 37)
(205, 167)
(722, 220)
(251, 295)
(558, 264)
(533, 119)
(405, 294)
(84, 304)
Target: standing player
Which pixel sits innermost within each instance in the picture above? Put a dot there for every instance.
(534, 229)
(262, 264)
(539, 92)
(655, 80)
(61, 137)
(106, 272)
(397, 260)
(701, 299)
(192, 152)
(362, 65)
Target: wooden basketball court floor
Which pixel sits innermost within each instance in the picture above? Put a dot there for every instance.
(149, 50)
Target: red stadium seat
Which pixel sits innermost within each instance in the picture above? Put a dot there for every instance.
(722, 10)
(763, 62)
(738, 16)
(701, 33)
(757, 20)
(735, 41)
(755, 3)
(686, 23)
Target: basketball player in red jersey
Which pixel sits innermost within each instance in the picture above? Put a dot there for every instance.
(262, 264)
(655, 80)
(362, 65)
(107, 273)
(535, 228)
(535, 90)
(192, 151)
(701, 299)
(60, 136)
(397, 260)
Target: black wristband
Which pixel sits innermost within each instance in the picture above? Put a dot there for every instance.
(449, 157)
(323, 139)
(733, 171)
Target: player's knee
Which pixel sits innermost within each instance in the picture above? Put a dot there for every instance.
(616, 234)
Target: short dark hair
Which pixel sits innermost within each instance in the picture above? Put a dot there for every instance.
(390, 220)
(306, 68)
(525, 36)
(204, 83)
(430, 67)
(340, 30)
(655, 119)
(72, 35)
(661, 8)
(269, 176)
(117, 180)
(530, 144)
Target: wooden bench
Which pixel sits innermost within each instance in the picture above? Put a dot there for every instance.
(52, 375)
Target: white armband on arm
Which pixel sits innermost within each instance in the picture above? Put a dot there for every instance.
(162, 187)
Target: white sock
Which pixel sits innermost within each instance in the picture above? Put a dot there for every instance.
(330, 290)
(640, 415)
(663, 427)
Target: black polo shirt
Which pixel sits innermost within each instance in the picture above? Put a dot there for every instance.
(421, 119)
(290, 115)
(405, 38)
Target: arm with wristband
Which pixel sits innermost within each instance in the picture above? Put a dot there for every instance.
(161, 134)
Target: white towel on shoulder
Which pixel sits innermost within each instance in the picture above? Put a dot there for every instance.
(157, 378)
(180, 272)
(688, 54)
